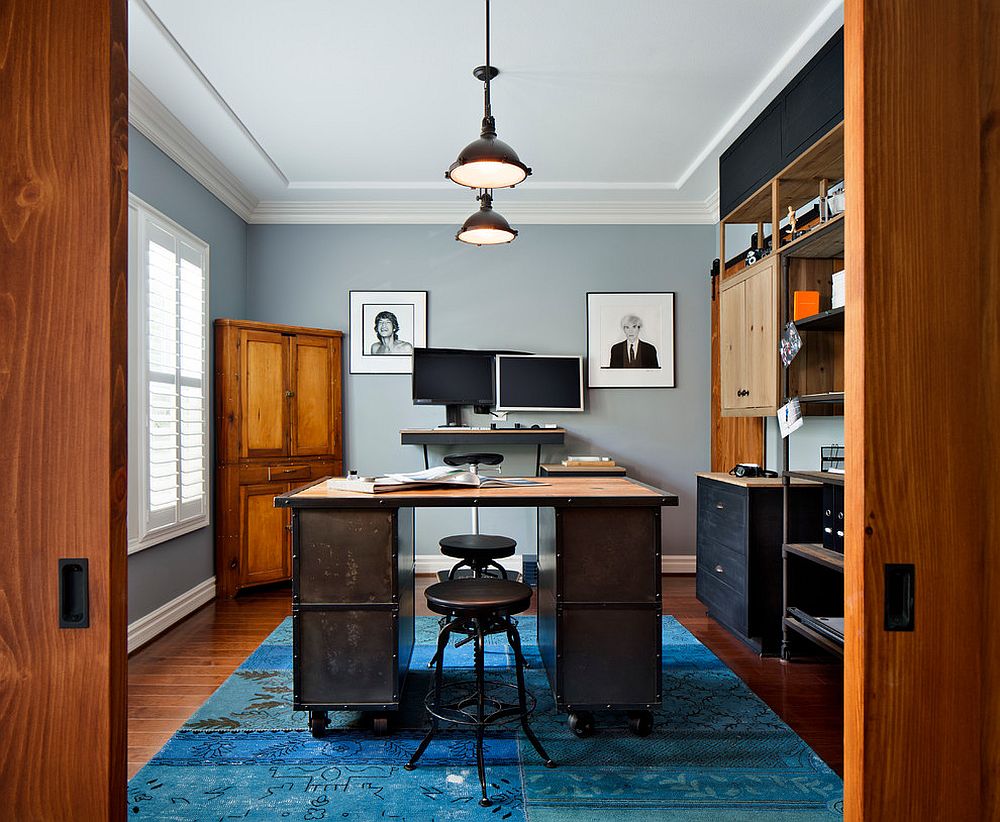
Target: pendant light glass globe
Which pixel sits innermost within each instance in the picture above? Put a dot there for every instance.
(486, 226)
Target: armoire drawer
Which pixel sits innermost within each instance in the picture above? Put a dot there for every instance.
(292, 471)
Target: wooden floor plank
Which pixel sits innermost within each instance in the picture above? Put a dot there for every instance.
(171, 676)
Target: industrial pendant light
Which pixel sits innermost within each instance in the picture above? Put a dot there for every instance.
(486, 226)
(487, 163)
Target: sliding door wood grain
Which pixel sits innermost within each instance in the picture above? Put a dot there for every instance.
(920, 343)
(63, 356)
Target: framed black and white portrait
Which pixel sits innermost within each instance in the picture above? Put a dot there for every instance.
(630, 339)
(385, 328)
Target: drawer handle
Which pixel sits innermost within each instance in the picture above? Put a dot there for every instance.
(720, 506)
(291, 470)
(719, 569)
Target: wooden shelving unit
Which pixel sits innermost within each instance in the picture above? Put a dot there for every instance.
(814, 636)
(817, 553)
(826, 477)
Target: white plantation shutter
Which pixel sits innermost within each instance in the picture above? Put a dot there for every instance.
(168, 365)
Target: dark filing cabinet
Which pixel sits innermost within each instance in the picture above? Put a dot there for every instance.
(352, 612)
(739, 551)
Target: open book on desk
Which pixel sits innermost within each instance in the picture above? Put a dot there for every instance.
(440, 475)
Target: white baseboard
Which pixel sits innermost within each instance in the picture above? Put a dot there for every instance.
(671, 564)
(678, 563)
(156, 622)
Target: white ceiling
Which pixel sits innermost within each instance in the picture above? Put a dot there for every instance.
(322, 111)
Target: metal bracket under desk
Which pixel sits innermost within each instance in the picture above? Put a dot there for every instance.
(493, 436)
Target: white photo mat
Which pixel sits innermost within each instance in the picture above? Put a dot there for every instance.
(409, 311)
(605, 315)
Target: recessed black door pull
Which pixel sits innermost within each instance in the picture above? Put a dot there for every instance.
(74, 593)
(899, 597)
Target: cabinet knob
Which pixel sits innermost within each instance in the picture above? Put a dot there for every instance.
(720, 506)
(289, 394)
(232, 564)
(719, 569)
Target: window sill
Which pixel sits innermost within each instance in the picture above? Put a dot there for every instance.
(167, 533)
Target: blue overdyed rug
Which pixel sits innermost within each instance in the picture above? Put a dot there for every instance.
(716, 754)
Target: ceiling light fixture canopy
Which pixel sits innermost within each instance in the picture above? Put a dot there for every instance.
(487, 163)
(486, 226)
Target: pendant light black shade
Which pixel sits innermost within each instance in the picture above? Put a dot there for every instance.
(486, 226)
(487, 163)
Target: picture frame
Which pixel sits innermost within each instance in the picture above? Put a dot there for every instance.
(385, 328)
(630, 339)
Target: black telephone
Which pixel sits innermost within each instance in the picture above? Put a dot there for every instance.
(750, 470)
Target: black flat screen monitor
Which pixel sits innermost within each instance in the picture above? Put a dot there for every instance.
(452, 376)
(539, 383)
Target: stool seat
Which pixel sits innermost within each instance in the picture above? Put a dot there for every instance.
(473, 459)
(477, 546)
(468, 596)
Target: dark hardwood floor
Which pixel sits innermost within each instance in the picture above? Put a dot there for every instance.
(171, 676)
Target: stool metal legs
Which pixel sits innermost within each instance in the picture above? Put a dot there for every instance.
(478, 632)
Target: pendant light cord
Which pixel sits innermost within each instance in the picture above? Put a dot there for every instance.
(488, 113)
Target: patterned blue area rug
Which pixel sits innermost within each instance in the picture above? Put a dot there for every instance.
(716, 754)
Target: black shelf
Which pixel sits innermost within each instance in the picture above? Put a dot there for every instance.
(823, 641)
(830, 398)
(832, 320)
(826, 477)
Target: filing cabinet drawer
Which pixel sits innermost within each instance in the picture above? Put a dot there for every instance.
(722, 563)
(723, 602)
(722, 514)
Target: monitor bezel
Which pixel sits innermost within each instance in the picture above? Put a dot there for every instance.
(456, 352)
(496, 389)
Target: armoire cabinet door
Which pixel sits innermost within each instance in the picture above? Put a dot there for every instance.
(264, 406)
(312, 378)
(265, 535)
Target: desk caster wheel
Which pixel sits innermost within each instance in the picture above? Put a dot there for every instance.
(380, 725)
(581, 723)
(640, 723)
(318, 723)
(786, 652)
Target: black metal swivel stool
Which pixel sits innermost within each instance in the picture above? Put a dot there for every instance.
(478, 552)
(478, 607)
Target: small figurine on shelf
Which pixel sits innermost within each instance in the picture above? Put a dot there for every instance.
(791, 220)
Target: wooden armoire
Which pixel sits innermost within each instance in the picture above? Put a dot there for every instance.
(278, 425)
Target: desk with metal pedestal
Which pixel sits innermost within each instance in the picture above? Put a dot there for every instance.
(599, 598)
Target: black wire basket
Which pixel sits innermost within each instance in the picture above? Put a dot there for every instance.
(831, 458)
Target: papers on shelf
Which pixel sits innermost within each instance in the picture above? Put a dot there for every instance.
(438, 475)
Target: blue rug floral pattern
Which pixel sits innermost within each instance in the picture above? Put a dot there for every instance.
(717, 753)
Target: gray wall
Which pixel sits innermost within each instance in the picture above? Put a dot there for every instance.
(165, 571)
(530, 295)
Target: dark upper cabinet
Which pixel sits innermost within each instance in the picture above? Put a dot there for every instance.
(806, 109)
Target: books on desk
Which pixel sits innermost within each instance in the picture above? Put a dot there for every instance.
(440, 475)
(589, 462)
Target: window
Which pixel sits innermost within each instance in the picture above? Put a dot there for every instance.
(168, 379)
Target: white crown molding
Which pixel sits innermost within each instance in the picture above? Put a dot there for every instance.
(172, 137)
(556, 212)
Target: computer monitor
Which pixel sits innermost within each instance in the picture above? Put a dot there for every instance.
(452, 377)
(539, 383)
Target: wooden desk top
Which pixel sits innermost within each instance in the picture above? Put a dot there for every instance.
(553, 492)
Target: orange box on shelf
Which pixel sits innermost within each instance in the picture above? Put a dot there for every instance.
(804, 304)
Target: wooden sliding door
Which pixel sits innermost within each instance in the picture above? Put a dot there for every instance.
(923, 388)
(63, 354)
